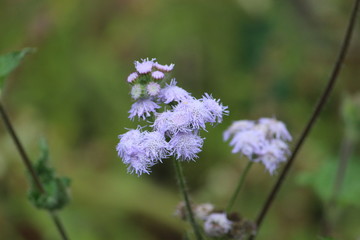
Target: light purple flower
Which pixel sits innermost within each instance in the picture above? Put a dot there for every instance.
(196, 112)
(153, 89)
(136, 91)
(217, 225)
(145, 66)
(273, 154)
(237, 126)
(158, 75)
(164, 68)
(248, 143)
(143, 108)
(132, 77)
(171, 93)
(276, 128)
(216, 109)
(132, 153)
(155, 146)
(172, 122)
(185, 146)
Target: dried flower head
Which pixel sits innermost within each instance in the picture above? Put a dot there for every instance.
(217, 225)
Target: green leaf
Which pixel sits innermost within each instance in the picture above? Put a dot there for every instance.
(9, 61)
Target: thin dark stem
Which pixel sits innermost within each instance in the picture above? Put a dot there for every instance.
(183, 189)
(314, 116)
(239, 186)
(29, 167)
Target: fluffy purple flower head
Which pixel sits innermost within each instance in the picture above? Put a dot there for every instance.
(153, 89)
(136, 91)
(217, 225)
(196, 112)
(172, 122)
(145, 66)
(158, 75)
(155, 146)
(273, 154)
(164, 68)
(216, 109)
(143, 108)
(171, 93)
(276, 128)
(130, 150)
(132, 77)
(248, 143)
(238, 126)
(186, 146)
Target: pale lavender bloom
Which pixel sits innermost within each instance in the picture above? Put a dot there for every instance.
(186, 146)
(155, 146)
(145, 66)
(143, 108)
(172, 122)
(164, 68)
(132, 77)
(202, 211)
(171, 93)
(276, 128)
(217, 225)
(238, 126)
(132, 153)
(153, 89)
(196, 112)
(136, 91)
(273, 154)
(158, 75)
(216, 109)
(248, 143)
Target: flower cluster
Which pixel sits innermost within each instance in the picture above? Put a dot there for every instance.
(217, 223)
(262, 141)
(174, 117)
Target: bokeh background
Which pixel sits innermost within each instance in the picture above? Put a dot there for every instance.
(262, 58)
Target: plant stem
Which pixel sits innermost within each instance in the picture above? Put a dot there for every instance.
(239, 186)
(182, 185)
(314, 116)
(29, 166)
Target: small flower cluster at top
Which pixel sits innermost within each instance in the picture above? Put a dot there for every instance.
(262, 141)
(173, 116)
(217, 223)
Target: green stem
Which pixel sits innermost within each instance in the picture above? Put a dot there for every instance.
(29, 167)
(239, 186)
(182, 185)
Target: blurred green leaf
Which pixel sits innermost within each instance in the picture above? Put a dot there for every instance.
(9, 61)
(322, 182)
(56, 188)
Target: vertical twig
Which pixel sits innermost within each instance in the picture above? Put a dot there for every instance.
(182, 185)
(314, 116)
(29, 167)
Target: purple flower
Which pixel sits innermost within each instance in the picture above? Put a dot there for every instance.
(273, 154)
(196, 112)
(145, 66)
(132, 153)
(132, 77)
(158, 75)
(248, 143)
(172, 122)
(276, 128)
(238, 126)
(136, 91)
(143, 108)
(172, 93)
(153, 89)
(186, 146)
(216, 109)
(164, 68)
(217, 225)
(155, 146)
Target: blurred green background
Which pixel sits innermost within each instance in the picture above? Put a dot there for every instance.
(262, 58)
